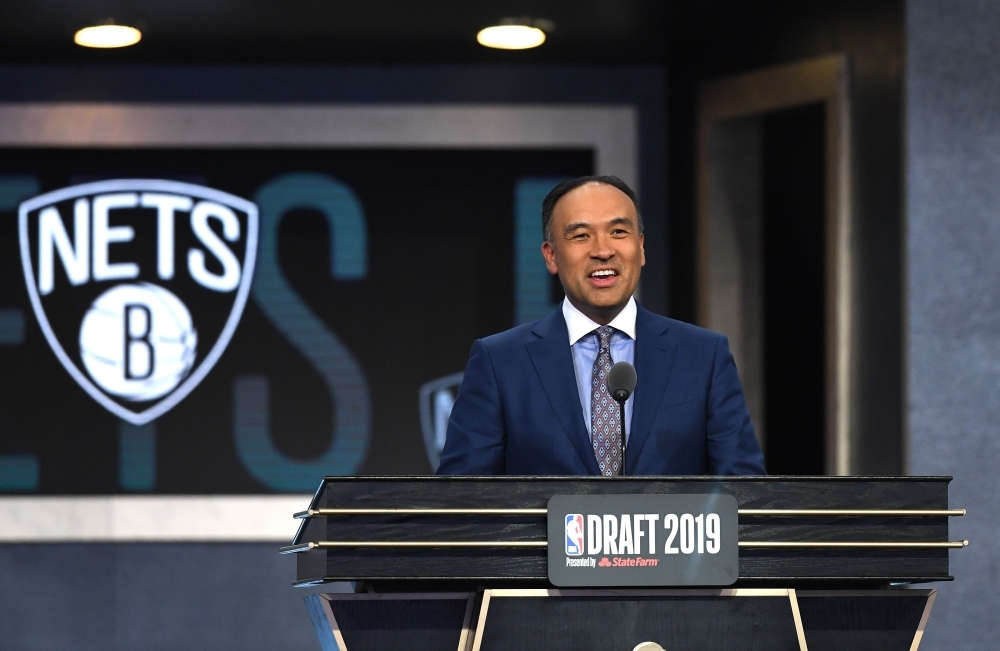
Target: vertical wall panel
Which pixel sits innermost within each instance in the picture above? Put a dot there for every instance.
(952, 247)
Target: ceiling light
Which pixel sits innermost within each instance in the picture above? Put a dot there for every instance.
(515, 34)
(106, 36)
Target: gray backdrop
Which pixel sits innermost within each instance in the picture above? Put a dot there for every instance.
(953, 313)
(156, 597)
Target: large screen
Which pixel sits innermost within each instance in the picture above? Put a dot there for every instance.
(247, 320)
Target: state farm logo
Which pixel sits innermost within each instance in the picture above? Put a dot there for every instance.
(138, 285)
(628, 562)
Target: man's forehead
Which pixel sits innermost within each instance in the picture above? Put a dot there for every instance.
(595, 200)
(594, 190)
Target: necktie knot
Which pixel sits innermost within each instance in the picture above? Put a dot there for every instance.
(604, 337)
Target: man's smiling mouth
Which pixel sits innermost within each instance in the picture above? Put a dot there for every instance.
(603, 273)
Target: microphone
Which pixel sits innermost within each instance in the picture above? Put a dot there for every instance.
(621, 383)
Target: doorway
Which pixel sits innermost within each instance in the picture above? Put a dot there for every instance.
(774, 260)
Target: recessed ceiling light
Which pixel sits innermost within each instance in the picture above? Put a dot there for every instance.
(106, 36)
(515, 34)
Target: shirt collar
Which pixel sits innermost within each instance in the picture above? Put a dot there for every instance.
(579, 324)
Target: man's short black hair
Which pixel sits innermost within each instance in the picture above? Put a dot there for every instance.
(557, 193)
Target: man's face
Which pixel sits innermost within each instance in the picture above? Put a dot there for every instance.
(596, 249)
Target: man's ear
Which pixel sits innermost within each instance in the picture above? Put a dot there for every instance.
(642, 250)
(549, 253)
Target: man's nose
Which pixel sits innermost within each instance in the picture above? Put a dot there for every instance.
(602, 249)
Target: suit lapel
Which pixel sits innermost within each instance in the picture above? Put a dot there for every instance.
(553, 361)
(654, 358)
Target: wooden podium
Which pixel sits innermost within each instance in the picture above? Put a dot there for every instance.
(459, 563)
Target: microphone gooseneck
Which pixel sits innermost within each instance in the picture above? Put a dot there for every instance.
(621, 383)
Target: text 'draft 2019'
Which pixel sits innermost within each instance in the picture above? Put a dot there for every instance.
(643, 540)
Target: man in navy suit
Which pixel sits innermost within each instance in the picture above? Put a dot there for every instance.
(534, 400)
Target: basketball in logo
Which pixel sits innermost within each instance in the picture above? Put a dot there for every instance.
(137, 341)
(138, 285)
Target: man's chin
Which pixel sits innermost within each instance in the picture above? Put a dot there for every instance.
(605, 303)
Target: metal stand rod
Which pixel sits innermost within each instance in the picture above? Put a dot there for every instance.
(621, 406)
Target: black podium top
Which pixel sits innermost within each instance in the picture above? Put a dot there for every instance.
(792, 530)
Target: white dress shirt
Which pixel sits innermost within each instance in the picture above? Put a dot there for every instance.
(584, 345)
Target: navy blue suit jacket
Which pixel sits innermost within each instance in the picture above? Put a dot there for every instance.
(518, 409)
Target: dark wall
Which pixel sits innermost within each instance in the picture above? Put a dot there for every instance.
(717, 38)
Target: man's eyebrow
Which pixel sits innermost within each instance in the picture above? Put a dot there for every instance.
(621, 220)
(575, 225)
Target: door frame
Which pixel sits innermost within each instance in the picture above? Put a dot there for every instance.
(827, 80)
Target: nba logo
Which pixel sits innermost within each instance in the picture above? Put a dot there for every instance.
(574, 534)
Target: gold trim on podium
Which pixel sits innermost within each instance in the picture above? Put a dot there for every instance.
(900, 513)
(955, 544)
(400, 544)
(326, 513)
(800, 630)
(862, 513)
(919, 635)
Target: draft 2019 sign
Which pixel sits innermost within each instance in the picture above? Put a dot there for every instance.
(238, 321)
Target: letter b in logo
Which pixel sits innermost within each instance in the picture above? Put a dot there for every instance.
(138, 323)
(137, 341)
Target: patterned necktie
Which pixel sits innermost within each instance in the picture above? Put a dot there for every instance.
(605, 419)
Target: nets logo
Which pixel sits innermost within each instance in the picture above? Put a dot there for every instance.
(138, 285)
(574, 534)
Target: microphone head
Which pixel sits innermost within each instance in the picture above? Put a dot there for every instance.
(621, 381)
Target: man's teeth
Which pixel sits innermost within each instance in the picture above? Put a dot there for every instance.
(603, 273)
